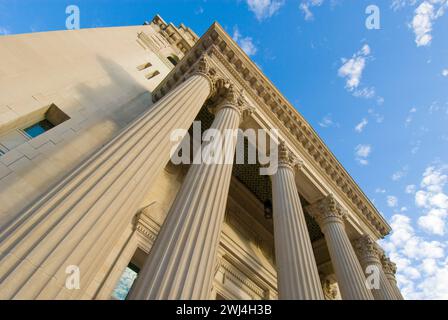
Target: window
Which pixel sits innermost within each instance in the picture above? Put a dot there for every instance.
(53, 117)
(3, 149)
(38, 128)
(144, 66)
(152, 74)
(174, 60)
(126, 281)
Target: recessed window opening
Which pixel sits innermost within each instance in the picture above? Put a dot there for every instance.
(53, 117)
(152, 74)
(144, 66)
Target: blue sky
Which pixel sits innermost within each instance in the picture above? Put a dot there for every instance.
(378, 98)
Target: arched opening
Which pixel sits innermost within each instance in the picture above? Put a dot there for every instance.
(173, 59)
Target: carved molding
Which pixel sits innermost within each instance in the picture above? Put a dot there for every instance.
(287, 158)
(147, 229)
(367, 249)
(227, 95)
(389, 267)
(326, 210)
(241, 279)
(330, 289)
(201, 66)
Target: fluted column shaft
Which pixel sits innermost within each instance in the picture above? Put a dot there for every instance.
(182, 260)
(369, 255)
(393, 283)
(390, 270)
(349, 274)
(351, 280)
(74, 223)
(297, 275)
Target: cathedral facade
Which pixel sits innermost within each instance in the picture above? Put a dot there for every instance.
(93, 207)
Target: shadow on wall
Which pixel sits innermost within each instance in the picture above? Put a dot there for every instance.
(103, 107)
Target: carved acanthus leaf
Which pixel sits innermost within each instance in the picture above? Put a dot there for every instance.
(286, 157)
(327, 209)
(389, 267)
(367, 249)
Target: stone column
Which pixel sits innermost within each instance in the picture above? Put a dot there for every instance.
(390, 269)
(181, 263)
(369, 254)
(72, 224)
(330, 215)
(297, 275)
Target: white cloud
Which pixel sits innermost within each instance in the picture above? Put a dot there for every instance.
(246, 43)
(424, 16)
(392, 201)
(4, 31)
(353, 68)
(433, 200)
(410, 116)
(416, 146)
(360, 126)
(199, 10)
(445, 72)
(264, 8)
(362, 152)
(366, 93)
(327, 121)
(306, 6)
(380, 190)
(422, 267)
(398, 175)
(411, 188)
(378, 117)
(422, 23)
(426, 13)
(433, 224)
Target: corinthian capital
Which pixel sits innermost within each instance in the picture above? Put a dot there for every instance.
(327, 210)
(389, 267)
(229, 96)
(367, 249)
(204, 68)
(286, 157)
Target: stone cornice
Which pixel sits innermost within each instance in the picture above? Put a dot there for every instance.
(174, 35)
(220, 45)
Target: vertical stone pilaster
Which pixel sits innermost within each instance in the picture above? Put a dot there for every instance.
(390, 270)
(330, 215)
(369, 254)
(73, 223)
(297, 274)
(182, 261)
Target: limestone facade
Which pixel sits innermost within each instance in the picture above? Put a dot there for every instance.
(96, 190)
